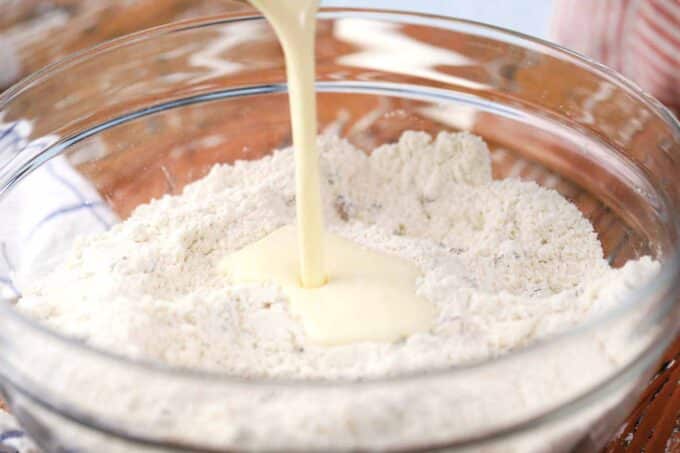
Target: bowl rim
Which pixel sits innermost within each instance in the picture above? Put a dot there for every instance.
(666, 282)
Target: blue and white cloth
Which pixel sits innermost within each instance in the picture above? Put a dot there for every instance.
(43, 213)
(39, 219)
(12, 437)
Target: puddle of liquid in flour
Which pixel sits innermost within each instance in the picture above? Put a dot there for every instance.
(340, 290)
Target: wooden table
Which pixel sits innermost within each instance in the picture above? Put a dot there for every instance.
(42, 31)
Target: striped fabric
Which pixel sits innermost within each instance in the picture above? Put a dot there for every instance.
(42, 215)
(12, 437)
(639, 38)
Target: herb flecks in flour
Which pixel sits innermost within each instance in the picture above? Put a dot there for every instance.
(504, 262)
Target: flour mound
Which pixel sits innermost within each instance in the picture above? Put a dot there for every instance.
(504, 262)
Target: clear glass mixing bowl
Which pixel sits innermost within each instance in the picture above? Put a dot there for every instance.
(144, 115)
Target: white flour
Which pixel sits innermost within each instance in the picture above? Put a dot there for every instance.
(505, 262)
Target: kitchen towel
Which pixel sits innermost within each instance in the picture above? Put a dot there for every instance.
(40, 217)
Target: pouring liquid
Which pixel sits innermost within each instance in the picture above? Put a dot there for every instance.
(342, 292)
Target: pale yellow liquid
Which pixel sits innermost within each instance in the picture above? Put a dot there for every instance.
(369, 296)
(355, 294)
(294, 22)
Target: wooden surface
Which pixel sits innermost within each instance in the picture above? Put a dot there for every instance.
(654, 423)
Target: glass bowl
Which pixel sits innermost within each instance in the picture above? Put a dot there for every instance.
(144, 115)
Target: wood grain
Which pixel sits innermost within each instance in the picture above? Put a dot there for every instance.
(654, 424)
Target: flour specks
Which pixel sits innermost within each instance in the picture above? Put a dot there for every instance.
(504, 262)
